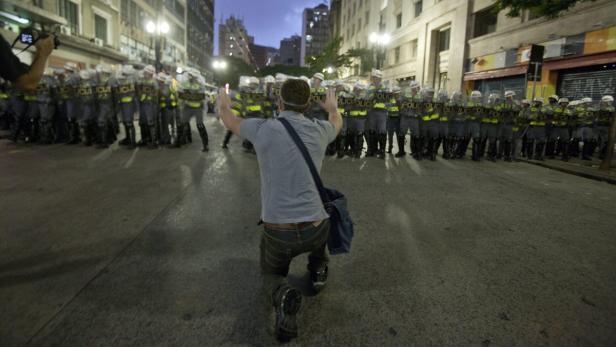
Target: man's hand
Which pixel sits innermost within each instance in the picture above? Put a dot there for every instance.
(45, 46)
(331, 106)
(223, 102)
(223, 106)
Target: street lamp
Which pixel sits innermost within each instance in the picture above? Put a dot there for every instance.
(379, 41)
(219, 64)
(330, 70)
(157, 30)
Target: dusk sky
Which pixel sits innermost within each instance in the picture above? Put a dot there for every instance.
(268, 21)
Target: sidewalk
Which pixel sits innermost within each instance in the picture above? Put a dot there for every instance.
(576, 166)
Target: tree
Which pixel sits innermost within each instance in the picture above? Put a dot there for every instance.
(330, 57)
(236, 67)
(366, 57)
(547, 8)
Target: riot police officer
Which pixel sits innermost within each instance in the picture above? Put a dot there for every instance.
(410, 121)
(344, 103)
(489, 126)
(106, 102)
(393, 121)
(429, 119)
(442, 109)
(358, 113)
(46, 93)
(548, 110)
(520, 130)
(148, 106)
(605, 118)
(536, 132)
(456, 124)
(126, 94)
(87, 99)
(73, 104)
(164, 108)
(376, 124)
(192, 94)
(508, 113)
(586, 119)
(474, 112)
(237, 107)
(559, 134)
(60, 121)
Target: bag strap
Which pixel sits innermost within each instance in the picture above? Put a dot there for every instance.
(302, 148)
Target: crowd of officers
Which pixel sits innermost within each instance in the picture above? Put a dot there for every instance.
(72, 105)
(76, 106)
(499, 128)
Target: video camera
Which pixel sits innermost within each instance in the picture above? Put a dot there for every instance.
(29, 36)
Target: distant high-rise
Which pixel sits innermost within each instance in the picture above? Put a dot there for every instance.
(264, 56)
(290, 50)
(234, 41)
(315, 32)
(199, 32)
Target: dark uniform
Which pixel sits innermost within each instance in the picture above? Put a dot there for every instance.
(358, 113)
(46, 93)
(410, 121)
(507, 123)
(393, 123)
(536, 132)
(429, 127)
(376, 124)
(106, 109)
(474, 113)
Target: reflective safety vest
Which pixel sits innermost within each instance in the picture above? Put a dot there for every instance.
(427, 112)
(393, 109)
(560, 117)
(536, 116)
(173, 99)
(147, 91)
(126, 91)
(492, 114)
(4, 96)
(474, 111)
(605, 115)
(379, 97)
(585, 115)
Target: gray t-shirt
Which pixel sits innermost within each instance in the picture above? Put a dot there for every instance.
(288, 192)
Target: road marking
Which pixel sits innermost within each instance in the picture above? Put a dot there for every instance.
(131, 159)
(362, 165)
(104, 154)
(447, 163)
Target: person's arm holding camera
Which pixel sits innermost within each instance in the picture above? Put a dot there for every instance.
(25, 77)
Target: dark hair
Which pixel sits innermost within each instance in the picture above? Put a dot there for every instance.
(295, 95)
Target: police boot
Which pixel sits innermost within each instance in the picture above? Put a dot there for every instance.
(475, 149)
(46, 133)
(482, 147)
(593, 147)
(145, 135)
(359, 142)
(501, 149)
(126, 140)
(225, 142)
(507, 150)
(73, 133)
(87, 135)
(390, 142)
(371, 140)
(529, 149)
(16, 131)
(492, 150)
(539, 151)
(564, 149)
(188, 133)
(436, 145)
(102, 133)
(131, 137)
(152, 143)
(418, 151)
(401, 139)
(549, 149)
(382, 142)
(204, 138)
(341, 146)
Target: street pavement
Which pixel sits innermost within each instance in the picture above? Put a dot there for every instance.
(160, 248)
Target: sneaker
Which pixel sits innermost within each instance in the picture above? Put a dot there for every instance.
(318, 279)
(287, 306)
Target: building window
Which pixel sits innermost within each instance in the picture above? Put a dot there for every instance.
(414, 49)
(359, 25)
(418, 7)
(70, 11)
(399, 20)
(100, 28)
(367, 19)
(485, 22)
(397, 55)
(443, 40)
(442, 82)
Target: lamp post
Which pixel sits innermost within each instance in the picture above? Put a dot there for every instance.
(157, 30)
(379, 41)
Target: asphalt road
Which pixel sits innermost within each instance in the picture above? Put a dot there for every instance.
(160, 248)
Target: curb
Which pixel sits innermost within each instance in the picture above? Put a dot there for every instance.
(610, 180)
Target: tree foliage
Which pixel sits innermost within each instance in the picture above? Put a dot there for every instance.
(547, 8)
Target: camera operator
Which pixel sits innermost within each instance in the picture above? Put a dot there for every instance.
(22, 76)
